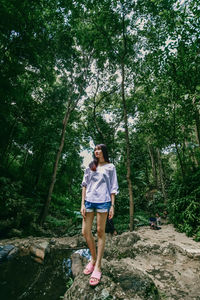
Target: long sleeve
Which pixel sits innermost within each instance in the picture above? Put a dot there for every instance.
(114, 183)
(85, 180)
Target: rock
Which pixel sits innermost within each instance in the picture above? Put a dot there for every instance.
(81, 289)
(127, 239)
(52, 241)
(77, 264)
(105, 293)
(43, 246)
(121, 246)
(118, 282)
(69, 242)
(38, 259)
(135, 266)
(24, 250)
(13, 253)
(37, 252)
(81, 241)
(131, 280)
(4, 251)
(22, 278)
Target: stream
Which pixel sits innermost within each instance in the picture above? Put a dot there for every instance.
(23, 278)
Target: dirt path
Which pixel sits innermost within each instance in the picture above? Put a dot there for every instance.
(171, 259)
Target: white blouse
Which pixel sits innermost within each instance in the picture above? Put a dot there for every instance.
(100, 184)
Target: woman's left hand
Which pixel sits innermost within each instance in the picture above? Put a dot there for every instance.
(111, 212)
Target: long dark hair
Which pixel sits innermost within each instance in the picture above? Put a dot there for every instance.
(93, 165)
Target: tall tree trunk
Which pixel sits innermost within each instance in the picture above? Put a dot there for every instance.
(38, 177)
(53, 179)
(7, 147)
(96, 103)
(197, 121)
(96, 124)
(39, 171)
(197, 127)
(128, 161)
(176, 145)
(193, 159)
(146, 172)
(72, 103)
(153, 164)
(161, 175)
(180, 161)
(25, 158)
(125, 114)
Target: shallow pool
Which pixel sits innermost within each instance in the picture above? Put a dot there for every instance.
(23, 278)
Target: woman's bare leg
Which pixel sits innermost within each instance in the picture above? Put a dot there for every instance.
(87, 233)
(101, 224)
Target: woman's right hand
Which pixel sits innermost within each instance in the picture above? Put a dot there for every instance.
(83, 210)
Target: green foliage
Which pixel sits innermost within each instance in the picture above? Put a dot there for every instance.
(69, 283)
(156, 205)
(141, 218)
(15, 209)
(121, 223)
(197, 235)
(12, 202)
(184, 206)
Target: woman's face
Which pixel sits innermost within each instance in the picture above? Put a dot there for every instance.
(98, 153)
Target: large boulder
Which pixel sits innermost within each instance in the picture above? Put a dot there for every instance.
(121, 246)
(118, 282)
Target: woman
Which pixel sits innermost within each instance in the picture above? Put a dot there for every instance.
(99, 188)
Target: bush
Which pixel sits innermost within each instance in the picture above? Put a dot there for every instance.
(12, 203)
(197, 236)
(16, 210)
(184, 211)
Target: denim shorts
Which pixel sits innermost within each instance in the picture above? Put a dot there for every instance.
(98, 207)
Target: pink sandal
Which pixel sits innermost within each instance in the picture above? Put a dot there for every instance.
(95, 278)
(88, 269)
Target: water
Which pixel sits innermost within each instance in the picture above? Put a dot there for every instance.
(21, 278)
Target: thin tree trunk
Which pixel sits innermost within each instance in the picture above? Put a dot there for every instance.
(197, 127)
(176, 146)
(96, 124)
(180, 160)
(161, 175)
(7, 147)
(70, 107)
(193, 159)
(146, 172)
(23, 166)
(128, 160)
(153, 164)
(25, 158)
(53, 179)
(39, 171)
(96, 103)
(38, 177)
(197, 121)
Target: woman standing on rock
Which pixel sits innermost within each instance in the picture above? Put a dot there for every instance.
(99, 188)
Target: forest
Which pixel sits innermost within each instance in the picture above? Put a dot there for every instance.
(75, 73)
